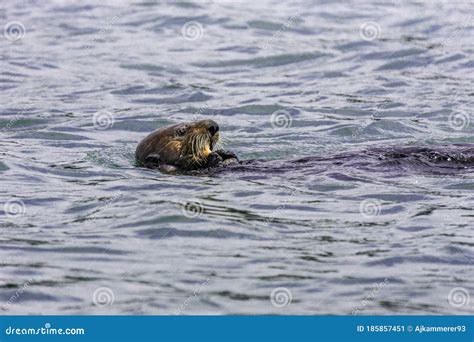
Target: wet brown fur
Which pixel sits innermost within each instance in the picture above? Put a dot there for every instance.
(184, 145)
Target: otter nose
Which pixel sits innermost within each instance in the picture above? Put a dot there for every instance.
(213, 128)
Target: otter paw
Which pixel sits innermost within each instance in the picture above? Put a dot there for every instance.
(214, 159)
(227, 154)
(230, 161)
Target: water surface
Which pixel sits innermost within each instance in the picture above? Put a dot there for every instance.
(82, 225)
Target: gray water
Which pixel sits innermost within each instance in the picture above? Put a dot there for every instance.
(85, 231)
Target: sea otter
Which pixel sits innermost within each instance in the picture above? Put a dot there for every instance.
(189, 148)
(183, 147)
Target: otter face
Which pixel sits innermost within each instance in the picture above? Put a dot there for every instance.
(185, 145)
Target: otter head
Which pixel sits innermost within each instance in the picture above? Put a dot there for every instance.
(185, 145)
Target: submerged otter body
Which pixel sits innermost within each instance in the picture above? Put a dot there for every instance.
(189, 148)
(377, 162)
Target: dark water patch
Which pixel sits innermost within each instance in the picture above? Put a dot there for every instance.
(77, 31)
(252, 109)
(187, 5)
(404, 64)
(68, 250)
(239, 296)
(167, 233)
(49, 136)
(16, 123)
(3, 167)
(139, 90)
(264, 25)
(143, 67)
(29, 296)
(426, 259)
(267, 62)
(241, 49)
(182, 98)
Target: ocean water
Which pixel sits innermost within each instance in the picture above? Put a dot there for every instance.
(83, 230)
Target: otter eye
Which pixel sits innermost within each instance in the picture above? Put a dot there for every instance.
(181, 131)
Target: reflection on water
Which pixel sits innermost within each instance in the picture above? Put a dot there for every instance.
(83, 230)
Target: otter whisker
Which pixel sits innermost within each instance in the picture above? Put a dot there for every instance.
(195, 143)
(199, 148)
(191, 143)
(219, 142)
